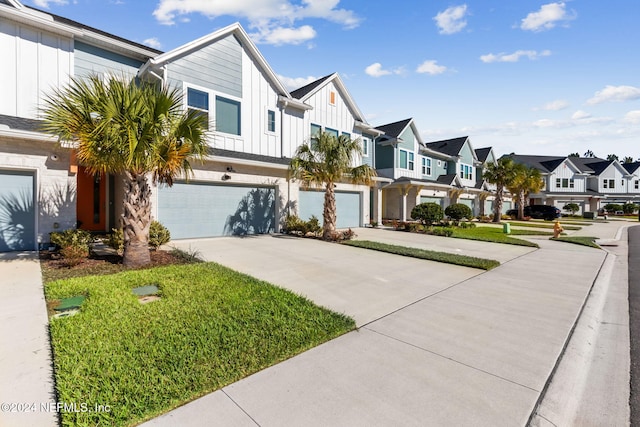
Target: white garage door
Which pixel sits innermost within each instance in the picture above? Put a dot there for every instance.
(348, 207)
(17, 211)
(197, 209)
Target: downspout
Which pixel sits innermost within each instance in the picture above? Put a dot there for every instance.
(282, 108)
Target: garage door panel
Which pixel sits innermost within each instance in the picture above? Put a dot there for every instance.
(205, 210)
(17, 211)
(348, 207)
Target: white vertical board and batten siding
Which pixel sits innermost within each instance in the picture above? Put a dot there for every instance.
(36, 63)
(565, 171)
(223, 68)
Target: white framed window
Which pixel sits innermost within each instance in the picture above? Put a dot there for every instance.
(315, 130)
(347, 134)
(609, 183)
(411, 161)
(426, 166)
(466, 171)
(332, 132)
(271, 121)
(365, 146)
(226, 110)
(571, 183)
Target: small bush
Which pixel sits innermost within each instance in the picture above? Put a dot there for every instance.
(373, 224)
(442, 231)
(467, 225)
(294, 225)
(571, 208)
(158, 235)
(629, 208)
(116, 240)
(612, 207)
(73, 244)
(427, 213)
(312, 226)
(458, 211)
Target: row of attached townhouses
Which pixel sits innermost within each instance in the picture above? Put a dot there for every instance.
(242, 187)
(589, 182)
(257, 124)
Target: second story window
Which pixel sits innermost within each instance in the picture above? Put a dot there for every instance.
(271, 121)
(332, 98)
(411, 161)
(315, 130)
(609, 183)
(636, 184)
(466, 171)
(227, 116)
(365, 146)
(426, 166)
(198, 101)
(406, 160)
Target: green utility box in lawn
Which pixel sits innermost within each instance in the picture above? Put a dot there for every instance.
(506, 228)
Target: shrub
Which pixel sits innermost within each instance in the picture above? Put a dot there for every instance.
(427, 213)
(612, 207)
(572, 208)
(442, 231)
(467, 225)
(629, 208)
(116, 240)
(293, 224)
(73, 243)
(312, 226)
(158, 235)
(457, 211)
(373, 223)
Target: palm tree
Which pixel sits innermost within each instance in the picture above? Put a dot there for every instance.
(326, 160)
(501, 174)
(612, 157)
(589, 153)
(527, 180)
(627, 159)
(574, 155)
(133, 129)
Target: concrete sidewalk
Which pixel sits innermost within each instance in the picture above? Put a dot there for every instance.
(476, 352)
(26, 372)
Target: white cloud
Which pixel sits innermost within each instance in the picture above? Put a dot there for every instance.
(557, 105)
(632, 117)
(45, 3)
(273, 20)
(580, 115)
(615, 93)
(547, 17)
(376, 70)
(431, 67)
(280, 35)
(451, 20)
(152, 42)
(292, 83)
(515, 56)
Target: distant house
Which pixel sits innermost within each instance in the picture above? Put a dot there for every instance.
(255, 124)
(589, 182)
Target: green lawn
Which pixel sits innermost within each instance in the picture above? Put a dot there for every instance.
(494, 234)
(579, 240)
(212, 326)
(463, 260)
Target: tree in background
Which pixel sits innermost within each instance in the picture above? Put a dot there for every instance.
(612, 157)
(501, 174)
(526, 180)
(572, 208)
(574, 155)
(628, 159)
(589, 153)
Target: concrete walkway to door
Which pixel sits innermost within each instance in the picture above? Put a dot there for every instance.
(26, 373)
(436, 344)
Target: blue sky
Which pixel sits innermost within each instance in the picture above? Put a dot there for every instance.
(531, 77)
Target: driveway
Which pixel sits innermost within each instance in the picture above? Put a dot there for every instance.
(364, 284)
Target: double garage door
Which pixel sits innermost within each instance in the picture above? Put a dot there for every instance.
(17, 211)
(196, 209)
(348, 207)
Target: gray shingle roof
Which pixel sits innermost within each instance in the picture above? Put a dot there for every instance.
(21, 123)
(301, 92)
(451, 146)
(448, 179)
(631, 167)
(482, 153)
(393, 130)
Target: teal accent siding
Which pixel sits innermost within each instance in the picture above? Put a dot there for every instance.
(408, 140)
(348, 207)
(384, 157)
(439, 170)
(196, 209)
(17, 211)
(367, 150)
(217, 66)
(466, 154)
(89, 59)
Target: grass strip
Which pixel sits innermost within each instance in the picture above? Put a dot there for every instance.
(495, 235)
(579, 240)
(463, 260)
(542, 225)
(211, 326)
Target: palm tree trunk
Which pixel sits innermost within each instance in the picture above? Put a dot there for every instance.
(497, 209)
(521, 205)
(329, 214)
(136, 218)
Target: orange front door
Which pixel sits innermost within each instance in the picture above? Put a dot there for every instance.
(90, 207)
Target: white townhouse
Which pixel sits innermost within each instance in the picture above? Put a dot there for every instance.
(256, 125)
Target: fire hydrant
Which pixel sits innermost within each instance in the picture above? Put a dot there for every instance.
(557, 229)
